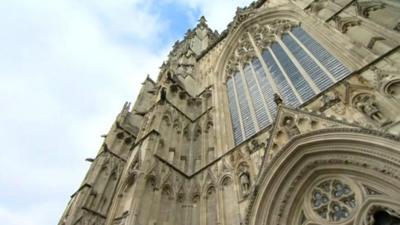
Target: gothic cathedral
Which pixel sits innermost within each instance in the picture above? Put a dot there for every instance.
(291, 116)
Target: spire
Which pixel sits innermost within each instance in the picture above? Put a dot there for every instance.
(203, 21)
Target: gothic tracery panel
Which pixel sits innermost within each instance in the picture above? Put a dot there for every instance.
(333, 200)
(289, 63)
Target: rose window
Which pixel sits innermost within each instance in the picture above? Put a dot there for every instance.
(333, 200)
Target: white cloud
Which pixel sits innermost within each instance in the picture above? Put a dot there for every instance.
(217, 12)
(66, 68)
(64, 75)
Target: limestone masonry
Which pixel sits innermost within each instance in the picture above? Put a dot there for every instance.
(291, 116)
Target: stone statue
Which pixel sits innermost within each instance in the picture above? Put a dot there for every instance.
(245, 182)
(290, 126)
(366, 104)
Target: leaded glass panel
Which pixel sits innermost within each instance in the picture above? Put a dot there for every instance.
(334, 66)
(237, 131)
(320, 78)
(265, 86)
(256, 97)
(287, 93)
(245, 112)
(286, 62)
(297, 79)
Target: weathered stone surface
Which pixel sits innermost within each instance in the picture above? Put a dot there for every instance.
(171, 157)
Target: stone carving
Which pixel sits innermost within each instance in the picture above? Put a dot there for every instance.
(261, 35)
(242, 14)
(254, 145)
(329, 99)
(245, 51)
(366, 104)
(211, 150)
(232, 66)
(370, 191)
(289, 124)
(339, 108)
(387, 82)
(281, 26)
(365, 7)
(344, 23)
(187, 133)
(197, 132)
(177, 126)
(333, 200)
(277, 99)
(317, 6)
(244, 179)
(209, 123)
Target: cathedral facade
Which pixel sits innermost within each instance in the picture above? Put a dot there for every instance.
(291, 116)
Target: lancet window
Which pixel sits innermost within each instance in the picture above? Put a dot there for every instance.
(277, 58)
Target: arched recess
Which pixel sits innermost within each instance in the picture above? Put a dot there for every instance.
(211, 200)
(265, 47)
(332, 42)
(359, 160)
(147, 205)
(230, 201)
(167, 198)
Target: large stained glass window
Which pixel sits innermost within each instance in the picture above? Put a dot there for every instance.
(295, 66)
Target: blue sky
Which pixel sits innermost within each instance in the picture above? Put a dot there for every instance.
(66, 69)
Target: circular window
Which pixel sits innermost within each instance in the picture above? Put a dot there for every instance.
(333, 200)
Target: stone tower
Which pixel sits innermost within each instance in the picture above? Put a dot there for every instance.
(290, 116)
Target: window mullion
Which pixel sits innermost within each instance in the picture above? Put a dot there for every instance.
(238, 108)
(298, 66)
(248, 97)
(260, 91)
(285, 75)
(313, 57)
(265, 67)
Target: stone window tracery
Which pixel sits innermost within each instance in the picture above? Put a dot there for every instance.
(279, 57)
(333, 200)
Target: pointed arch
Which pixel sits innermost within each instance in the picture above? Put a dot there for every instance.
(167, 196)
(211, 200)
(209, 180)
(347, 155)
(166, 118)
(230, 207)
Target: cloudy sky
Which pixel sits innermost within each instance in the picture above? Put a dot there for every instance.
(66, 68)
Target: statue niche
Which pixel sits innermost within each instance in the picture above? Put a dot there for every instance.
(367, 105)
(289, 124)
(244, 179)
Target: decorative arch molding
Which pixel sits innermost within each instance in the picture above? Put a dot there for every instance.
(225, 179)
(270, 16)
(353, 155)
(372, 205)
(263, 17)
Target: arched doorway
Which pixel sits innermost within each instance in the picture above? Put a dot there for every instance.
(335, 176)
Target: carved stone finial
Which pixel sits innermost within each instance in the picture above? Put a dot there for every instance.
(203, 21)
(163, 95)
(277, 99)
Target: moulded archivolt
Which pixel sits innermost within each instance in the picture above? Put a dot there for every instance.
(257, 36)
